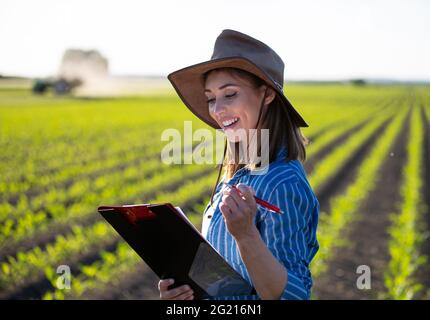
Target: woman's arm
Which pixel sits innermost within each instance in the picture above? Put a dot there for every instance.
(267, 273)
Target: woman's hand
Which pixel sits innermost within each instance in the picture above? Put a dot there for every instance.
(239, 211)
(180, 293)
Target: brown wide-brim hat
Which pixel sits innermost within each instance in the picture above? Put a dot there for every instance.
(236, 50)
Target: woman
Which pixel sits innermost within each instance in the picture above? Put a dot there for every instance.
(238, 90)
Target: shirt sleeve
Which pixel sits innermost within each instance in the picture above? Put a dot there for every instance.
(291, 236)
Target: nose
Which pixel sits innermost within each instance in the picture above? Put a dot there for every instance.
(218, 108)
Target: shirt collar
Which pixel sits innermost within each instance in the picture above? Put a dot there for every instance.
(280, 156)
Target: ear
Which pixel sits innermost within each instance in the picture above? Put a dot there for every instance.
(270, 95)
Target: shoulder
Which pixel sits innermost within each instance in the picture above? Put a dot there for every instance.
(292, 194)
(285, 184)
(280, 173)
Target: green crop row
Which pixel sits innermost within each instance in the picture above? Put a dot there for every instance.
(336, 159)
(406, 234)
(24, 182)
(341, 128)
(338, 117)
(343, 208)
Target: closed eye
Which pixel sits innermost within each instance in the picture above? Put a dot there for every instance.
(227, 96)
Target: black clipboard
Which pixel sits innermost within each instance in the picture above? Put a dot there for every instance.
(172, 247)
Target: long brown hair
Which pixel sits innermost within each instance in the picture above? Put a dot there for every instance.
(283, 130)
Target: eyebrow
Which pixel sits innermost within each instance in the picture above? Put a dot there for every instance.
(223, 86)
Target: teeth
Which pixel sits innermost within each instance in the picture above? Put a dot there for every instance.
(229, 122)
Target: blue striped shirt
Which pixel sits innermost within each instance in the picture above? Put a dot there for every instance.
(291, 237)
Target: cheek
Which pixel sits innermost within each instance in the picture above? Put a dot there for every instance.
(252, 113)
(240, 108)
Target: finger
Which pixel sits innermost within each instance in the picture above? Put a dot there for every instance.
(231, 203)
(246, 191)
(242, 205)
(236, 196)
(184, 296)
(164, 284)
(229, 189)
(246, 198)
(190, 297)
(171, 294)
(225, 210)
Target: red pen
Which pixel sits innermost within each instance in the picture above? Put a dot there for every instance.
(261, 202)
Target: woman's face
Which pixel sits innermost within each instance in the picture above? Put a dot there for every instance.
(234, 104)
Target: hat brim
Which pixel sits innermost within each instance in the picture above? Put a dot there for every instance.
(188, 83)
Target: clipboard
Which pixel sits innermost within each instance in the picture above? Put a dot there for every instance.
(172, 247)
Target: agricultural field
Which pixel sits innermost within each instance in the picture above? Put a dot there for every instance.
(368, 162)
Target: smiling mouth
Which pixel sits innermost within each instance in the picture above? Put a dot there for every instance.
(230, 123)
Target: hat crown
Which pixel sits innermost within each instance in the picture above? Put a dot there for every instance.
(231, 43)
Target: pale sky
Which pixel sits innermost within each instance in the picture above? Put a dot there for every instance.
(316, 39)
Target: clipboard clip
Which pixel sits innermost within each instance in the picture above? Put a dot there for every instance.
(132, 213)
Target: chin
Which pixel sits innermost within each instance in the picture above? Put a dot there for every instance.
(235, 135)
